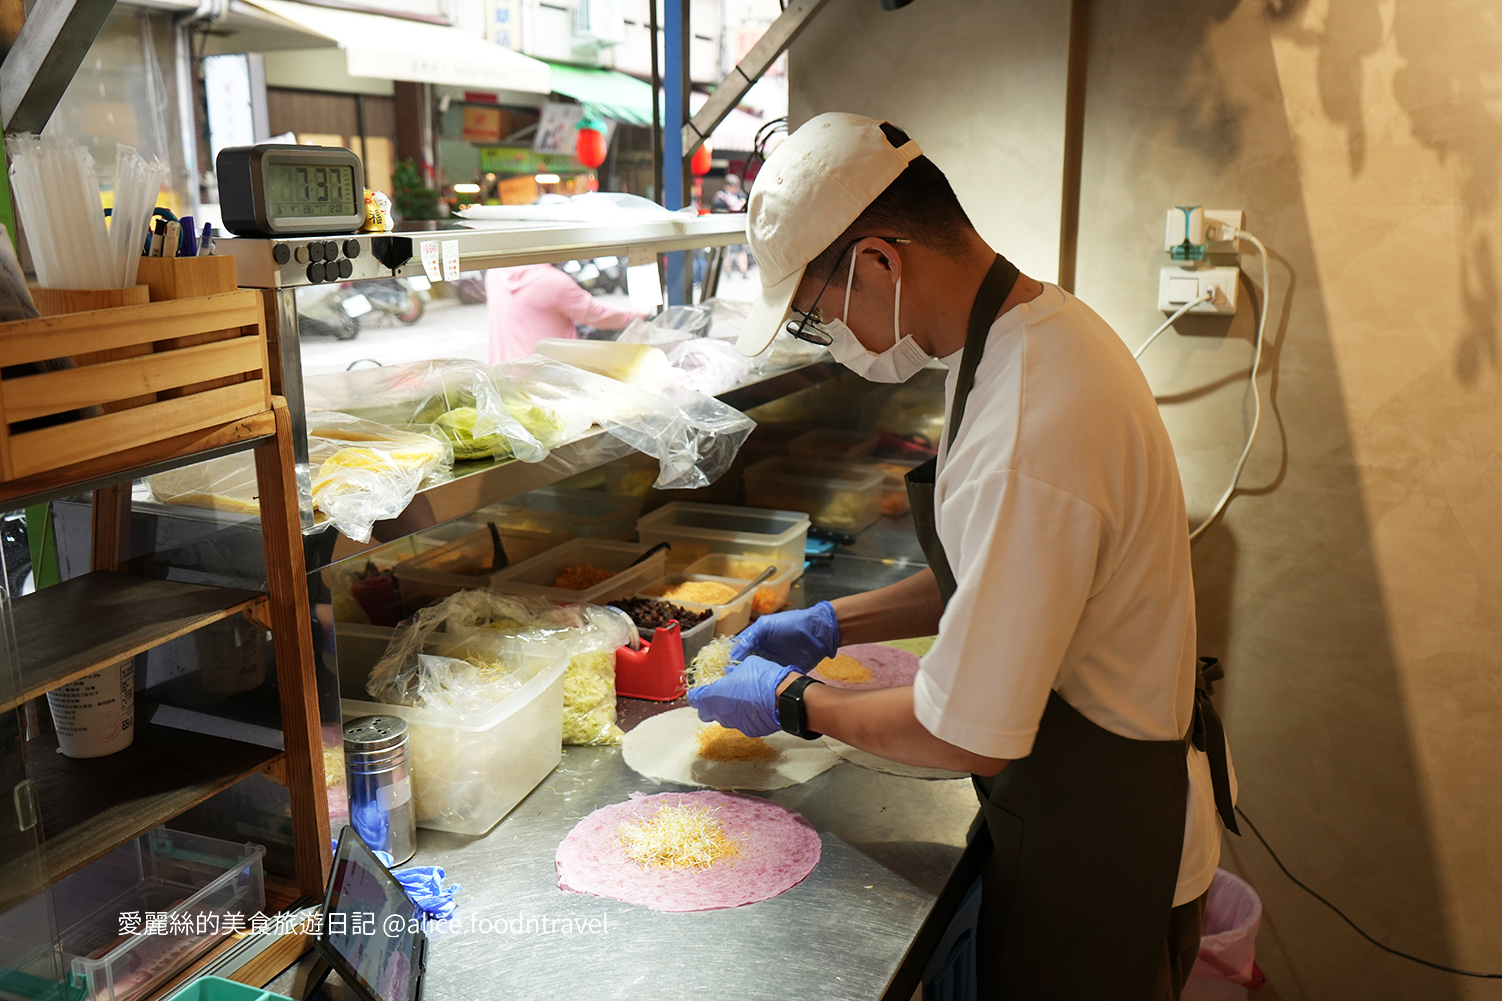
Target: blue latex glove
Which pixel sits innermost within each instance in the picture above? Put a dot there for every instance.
(745, 698)
(799, 638)
(424, 887)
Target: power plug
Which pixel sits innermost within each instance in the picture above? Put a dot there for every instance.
(1177, 286)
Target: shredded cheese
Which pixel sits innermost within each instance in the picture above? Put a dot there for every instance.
(843, 667)
(677, 837)
(720, 743)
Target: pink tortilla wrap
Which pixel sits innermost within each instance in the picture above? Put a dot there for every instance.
(889, 667)
(778, 849)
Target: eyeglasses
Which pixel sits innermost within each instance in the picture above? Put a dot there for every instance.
(806, 327)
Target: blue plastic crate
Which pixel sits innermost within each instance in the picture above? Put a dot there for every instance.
(219, 989)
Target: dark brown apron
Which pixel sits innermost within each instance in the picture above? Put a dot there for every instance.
(1088, 829)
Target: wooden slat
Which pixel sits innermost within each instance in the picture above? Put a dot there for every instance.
(75, 388)
(216, 336)
(100, 330)
(92, 805)
(258, 425)
(111, 527)
(287, 585)
(85, 624)
(48, 448)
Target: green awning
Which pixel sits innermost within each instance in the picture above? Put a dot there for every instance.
(607, 93)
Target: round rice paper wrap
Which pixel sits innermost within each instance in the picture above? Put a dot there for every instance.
(777, 849)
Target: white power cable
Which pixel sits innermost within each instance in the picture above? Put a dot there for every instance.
(1251, 438)
(1204, 297)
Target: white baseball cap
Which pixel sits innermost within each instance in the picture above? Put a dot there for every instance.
(813, 186)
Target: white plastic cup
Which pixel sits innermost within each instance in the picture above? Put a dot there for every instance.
(95, 715)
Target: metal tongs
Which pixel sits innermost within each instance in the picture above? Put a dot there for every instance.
(763, 576)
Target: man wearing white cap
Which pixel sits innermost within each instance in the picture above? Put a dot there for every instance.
(1064, 675)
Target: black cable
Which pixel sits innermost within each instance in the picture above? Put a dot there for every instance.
(1342, 915)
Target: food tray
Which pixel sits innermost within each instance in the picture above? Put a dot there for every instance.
(729, 619)
(536, 575)
(842, 496)
(772, 594)
(464, 563)
(569, 513)
(696, 530)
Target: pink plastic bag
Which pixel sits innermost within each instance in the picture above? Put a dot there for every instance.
(1226, 968)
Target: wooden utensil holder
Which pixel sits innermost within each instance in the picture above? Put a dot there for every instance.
(154, 370)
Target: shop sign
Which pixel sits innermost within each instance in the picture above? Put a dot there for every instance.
(557, 128)
(520, 160)
(503, 26)
(482, 125)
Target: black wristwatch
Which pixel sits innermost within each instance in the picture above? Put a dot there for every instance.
(792, 713)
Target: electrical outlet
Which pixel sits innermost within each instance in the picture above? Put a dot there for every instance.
(1177, 285)
(1234, 218)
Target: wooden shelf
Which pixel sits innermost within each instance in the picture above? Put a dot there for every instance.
(90, 806)
(88, 623)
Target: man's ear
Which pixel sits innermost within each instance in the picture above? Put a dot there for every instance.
(885, 255)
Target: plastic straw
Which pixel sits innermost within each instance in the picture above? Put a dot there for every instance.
(57, 193)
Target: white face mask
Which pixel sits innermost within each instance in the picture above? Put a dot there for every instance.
(898, 363)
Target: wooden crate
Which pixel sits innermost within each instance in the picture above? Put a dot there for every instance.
(147, 368)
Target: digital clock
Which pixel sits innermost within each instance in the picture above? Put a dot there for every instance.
(284, 190)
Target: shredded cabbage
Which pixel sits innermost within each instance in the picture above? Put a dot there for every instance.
(589, 699)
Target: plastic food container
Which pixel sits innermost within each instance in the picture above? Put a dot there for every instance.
(729, 618)
(471, 769)
(464, 563)
(772, 594)
(219, 989)
(186, 881)
(838, 495)
(832, 443)
(894, 499)
(536, 576)
(696, 530)
(694, 639)
(570, 513)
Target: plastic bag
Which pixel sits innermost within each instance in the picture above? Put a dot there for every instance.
(1228, 941)
(363, 472)
(408, 675)
(675, 323)
(693, 437)
(479, 413)
(708, 366)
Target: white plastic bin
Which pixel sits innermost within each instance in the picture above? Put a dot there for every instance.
(569, 512)
(471, 769)
(844, 496)
(464, 563)
(730, 618)
(1228, 942)
(696, 530)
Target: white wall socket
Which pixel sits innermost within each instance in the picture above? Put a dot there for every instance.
(1224, 217)
(1177, 285)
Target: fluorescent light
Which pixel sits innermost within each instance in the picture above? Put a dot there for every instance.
(547, 178)
(466, 189)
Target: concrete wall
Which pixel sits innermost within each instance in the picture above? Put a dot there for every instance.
(1353, 587)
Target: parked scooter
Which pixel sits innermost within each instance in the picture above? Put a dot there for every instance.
(377, 299)
(326, 316)
(598, 276)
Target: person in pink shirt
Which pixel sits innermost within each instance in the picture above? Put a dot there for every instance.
(533, 301)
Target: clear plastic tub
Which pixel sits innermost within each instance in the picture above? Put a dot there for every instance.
(570, 513)
(696, 530)
(536, 576)
(465, 563)
(894, 499)
(842, 496)
(773, 592)
(471, 769)
(729, 618)
(832, 443)
(197, 890)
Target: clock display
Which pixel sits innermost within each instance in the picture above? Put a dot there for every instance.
(308, 191)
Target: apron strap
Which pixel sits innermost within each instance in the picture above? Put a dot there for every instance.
(994, 289)
(1209, 736)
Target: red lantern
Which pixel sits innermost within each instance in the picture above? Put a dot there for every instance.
(589, 147)
(700, 163)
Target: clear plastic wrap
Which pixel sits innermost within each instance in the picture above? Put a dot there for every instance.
(475, 409)
(409, 675)
(708, 366)
(693, 437)
(363, 472)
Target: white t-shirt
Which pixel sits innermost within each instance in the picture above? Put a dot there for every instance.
(1062, 515)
